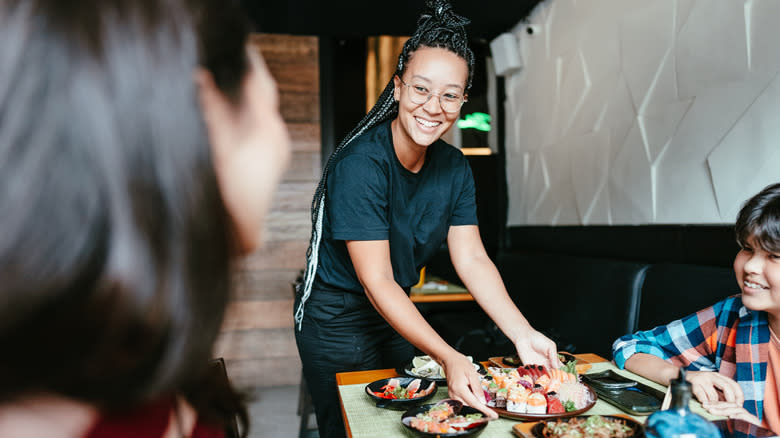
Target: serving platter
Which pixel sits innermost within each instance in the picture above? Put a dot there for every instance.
(533, 417)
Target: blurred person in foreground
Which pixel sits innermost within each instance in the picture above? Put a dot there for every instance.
(140, 142)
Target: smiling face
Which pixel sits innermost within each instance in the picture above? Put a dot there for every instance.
(439, 71)
(758, 274)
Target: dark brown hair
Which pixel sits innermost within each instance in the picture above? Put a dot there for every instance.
(759, 218)
(114, 255)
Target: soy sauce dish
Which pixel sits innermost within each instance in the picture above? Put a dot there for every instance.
(401, 392)
(447, 418)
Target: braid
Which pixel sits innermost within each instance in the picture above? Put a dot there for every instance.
(438, 28)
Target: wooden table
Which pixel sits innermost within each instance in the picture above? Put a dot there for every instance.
(365, 377)
(451, 292)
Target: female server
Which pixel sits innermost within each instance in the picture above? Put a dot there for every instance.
(391, 194)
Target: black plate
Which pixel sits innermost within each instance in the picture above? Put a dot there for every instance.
(406, 370)
(515, 362)
(465, 410)
(636, 398)
(376, 386)
(637, 432)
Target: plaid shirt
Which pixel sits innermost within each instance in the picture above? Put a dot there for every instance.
(727, 337)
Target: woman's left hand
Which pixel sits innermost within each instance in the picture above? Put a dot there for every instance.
(731, 410)
(536, 348)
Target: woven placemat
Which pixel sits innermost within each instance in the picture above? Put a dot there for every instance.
(367, 421)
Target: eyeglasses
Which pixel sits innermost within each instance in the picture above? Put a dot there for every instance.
(419, 95)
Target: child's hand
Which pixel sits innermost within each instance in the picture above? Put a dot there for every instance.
(731, 410)
(706, 384)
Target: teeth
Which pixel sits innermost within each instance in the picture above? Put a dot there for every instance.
(753, 285)
(427, 123)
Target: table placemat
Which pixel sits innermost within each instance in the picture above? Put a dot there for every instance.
(366, 420)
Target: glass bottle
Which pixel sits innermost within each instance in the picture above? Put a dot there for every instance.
(678, 421)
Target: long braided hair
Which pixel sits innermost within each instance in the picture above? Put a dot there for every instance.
(439, 27)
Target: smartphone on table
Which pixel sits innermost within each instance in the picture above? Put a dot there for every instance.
(626, 394)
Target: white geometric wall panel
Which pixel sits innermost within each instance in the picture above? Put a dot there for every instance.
(643, 112)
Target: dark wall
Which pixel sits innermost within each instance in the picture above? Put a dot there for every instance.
(342, 89)
(711, 245)
(360, 18)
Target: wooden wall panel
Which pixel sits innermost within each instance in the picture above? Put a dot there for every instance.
(257, 339)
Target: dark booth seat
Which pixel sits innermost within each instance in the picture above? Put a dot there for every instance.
(582, 303)
(672, 290)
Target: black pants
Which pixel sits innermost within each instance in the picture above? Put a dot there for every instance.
(342, 331)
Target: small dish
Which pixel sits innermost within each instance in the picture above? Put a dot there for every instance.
(514, 361)
(426, 385)
(540, 429)
(458, 409)
(406, 370)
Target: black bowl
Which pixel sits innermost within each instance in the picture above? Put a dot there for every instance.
(460, 409)
(406, 370)
(382, 402)
(514, 360)
(637, 430)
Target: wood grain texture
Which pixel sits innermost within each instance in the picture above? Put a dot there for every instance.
(254, 373)
(277, 255)
(256, 344)
(299, 106)
(303, 165)
(287, 47)
(295, 195)
(288, 225)
(257, 338)
(263, 285)
(250, 315)
(305, 136)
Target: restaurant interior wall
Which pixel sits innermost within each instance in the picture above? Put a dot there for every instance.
(257, 339)
(628, 112)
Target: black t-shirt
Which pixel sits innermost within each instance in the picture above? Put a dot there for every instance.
(371, 196)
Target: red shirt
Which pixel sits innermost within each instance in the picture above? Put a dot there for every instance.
(150, 420)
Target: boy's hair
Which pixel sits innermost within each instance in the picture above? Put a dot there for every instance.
(759, 218)
(439, 27)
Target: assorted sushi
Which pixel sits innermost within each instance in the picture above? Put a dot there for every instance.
(534, 389)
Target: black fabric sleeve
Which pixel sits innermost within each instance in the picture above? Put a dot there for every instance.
(465, 210)
(357, 199)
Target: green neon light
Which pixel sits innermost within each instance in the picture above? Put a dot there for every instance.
(478, 121)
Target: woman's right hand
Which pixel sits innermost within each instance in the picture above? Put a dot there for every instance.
(706, 386)
(463, 383)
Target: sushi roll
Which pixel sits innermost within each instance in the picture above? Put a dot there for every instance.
(543, 380)
(526, 381)
(517, 400)
(501, 398)
(536, 403)
(492, 390)
(486, 389)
